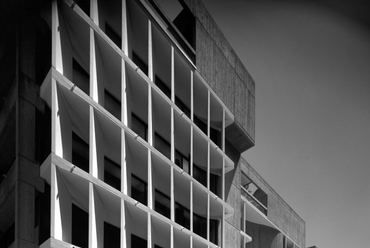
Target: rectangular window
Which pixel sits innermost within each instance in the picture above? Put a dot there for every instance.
(84, 5)
(140, 63)
(182, 216)
(139, 126)
(116, 38)
(213, 233)
(162, 86)
(8, 237)
(201, 124)
(112, 236)
(112, 173)
(200, 175)
(137, 241)
(112, 104)
(162, 204)
(213, 183)
(182, 107)
(200, 225)
(215, 136)
(162, 146)
(80, 152)
(80, 77)
(139, 190)
(42, 214)
(182, 162)
(80, 227)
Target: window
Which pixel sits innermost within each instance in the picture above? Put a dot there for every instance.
(215, 136)
(112, 34)
(199, 225)
(200, 175)
(182, 107)
(84, 5)
(162, 86)
(42, 214)
(139, 126)
(112, 173)
(162, 145)
(81, 77)
(213, 233)
(112, 104)
(140, 63)
(137, 241)
(80, 152)
(182, 216)
(8, 237)
(182, 162)
(162, 204)
(139, 190)
(201, 124)
(213, 183)
(112, 236)
(80, 227)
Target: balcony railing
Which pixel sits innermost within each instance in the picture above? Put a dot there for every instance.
(254, 201)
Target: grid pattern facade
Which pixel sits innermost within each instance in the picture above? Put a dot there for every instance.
(122, 125)
(138, 142)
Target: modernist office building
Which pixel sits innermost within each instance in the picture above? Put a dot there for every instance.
(122, 125)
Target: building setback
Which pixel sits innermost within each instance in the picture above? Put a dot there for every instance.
(122, 124)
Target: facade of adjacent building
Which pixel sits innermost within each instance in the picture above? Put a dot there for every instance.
(122, 124)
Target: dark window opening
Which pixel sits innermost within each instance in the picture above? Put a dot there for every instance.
(185, 23)
(80, 227)
(254, 194)
(81, 77)
(138, 242)
(162, 204)
(213, 184)
(201, 124)
(112, 236)
(200, 175)
(213, 231)
(178, 15)
(7, 65)
(182, 216)
(80, 152)
(112, 104)
(8, 237)
(215, 136)
(113, 35)
(112, 173)
(42, 214)
(162, 86)
(182, 162)
(43, 142)
(162, 146)
(200, 225)
(182, 107)
(43, 50)
(139, 189)
(139, 126)
(140, 63)
(84, 5)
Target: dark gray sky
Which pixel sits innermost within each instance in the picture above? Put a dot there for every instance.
(311, 64)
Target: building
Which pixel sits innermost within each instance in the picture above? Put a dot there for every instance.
(122, 124)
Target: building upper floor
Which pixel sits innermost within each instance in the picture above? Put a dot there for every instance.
(263, 211)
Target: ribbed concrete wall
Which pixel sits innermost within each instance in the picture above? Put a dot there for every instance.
(279, 212)
(219, 65)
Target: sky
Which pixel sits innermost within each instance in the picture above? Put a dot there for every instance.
(310, 61)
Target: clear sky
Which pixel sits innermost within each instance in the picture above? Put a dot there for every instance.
(311, 65)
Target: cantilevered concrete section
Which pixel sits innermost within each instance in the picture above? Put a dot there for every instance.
(122, 127)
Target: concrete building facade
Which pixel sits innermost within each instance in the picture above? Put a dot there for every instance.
(122, 124)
